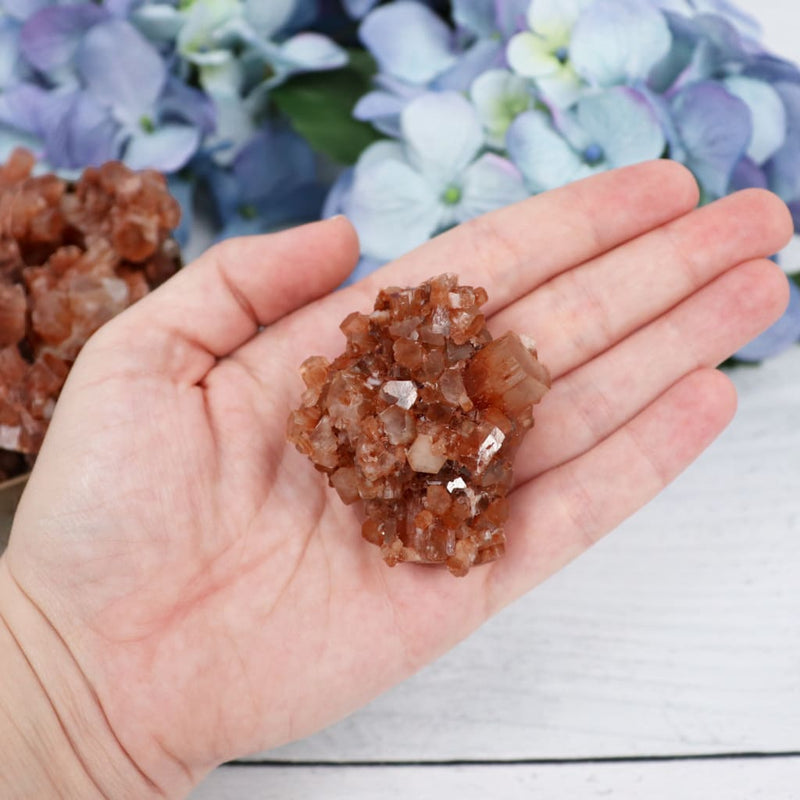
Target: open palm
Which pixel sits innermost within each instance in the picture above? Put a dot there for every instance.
(217, 596)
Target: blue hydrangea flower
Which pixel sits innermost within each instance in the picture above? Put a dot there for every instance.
(431, 55)
(499, 97)
(611, 128)
(272, 181)
(783, 169)
(403, 192)
(241, 49)
(408, 64)
(780, 336)
(573, 43)
(98, 90)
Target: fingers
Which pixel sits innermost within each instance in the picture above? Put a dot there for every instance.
(560, 514)
(584, 311)
(588, 404)
(219, 301)
(513, 250)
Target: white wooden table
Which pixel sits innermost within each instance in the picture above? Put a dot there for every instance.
(662, 665)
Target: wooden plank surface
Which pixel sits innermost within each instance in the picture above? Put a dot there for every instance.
(761, 779)
(677, 634)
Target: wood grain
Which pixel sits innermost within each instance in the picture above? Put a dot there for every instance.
(677, 634)
(762, 779)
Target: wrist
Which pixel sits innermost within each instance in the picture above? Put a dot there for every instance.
(55, 740)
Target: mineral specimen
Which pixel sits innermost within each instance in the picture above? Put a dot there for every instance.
(420, 418)
(71, 257)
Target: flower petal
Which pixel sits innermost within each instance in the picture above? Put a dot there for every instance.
(182, 103)
(555, 19)
(392, 207)
(204, 25)
(22, 9)
(272, 162)
(532, 56)
(157, 21)
(21, 107)
(443, 134)
(542, 155)
(93, 135)
(491, 182)
(477, 16)
(50, 37)
(783, 169)
(618, 41)
(769, 68)
(794, 210)
(382, 109)
(121, 69)
(10, 139)
(235, 126)
(418, 54)
(268, 18)
(166, 149)
(685, 36)
(718, 44)
(782, 335)
(308, 52)
(499, 96)
(561, 90)
(747, 175)
(622, 123)
(744, 22)
(336, 199)
(9, 51)
(45, 114)
(380, 151)
(767, 113)
(357, 8)
(483, 54)
(715, 130)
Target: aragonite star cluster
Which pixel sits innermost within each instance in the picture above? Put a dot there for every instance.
(420, 418)
(72, 255)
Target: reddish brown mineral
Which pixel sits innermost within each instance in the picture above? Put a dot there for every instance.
(420, 417)
(71, 257)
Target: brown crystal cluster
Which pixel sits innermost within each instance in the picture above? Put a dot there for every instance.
(420, 418)
(71, 257)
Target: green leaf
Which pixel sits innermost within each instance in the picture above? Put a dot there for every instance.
(320, 105)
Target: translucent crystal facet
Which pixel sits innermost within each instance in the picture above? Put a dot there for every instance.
(420, 418)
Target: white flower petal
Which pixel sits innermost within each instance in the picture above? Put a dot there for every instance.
(619, 41)
(491, 182)
(563, 89)
(384, 150)
(499, 96)
(532, 56)
(621, 122)
(554, 19)
(392, 207)
(542, 155)
(443, 134)
(409, 41)
(312, 51)
(166, 149)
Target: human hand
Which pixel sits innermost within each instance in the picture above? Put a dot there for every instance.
(213, 597)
